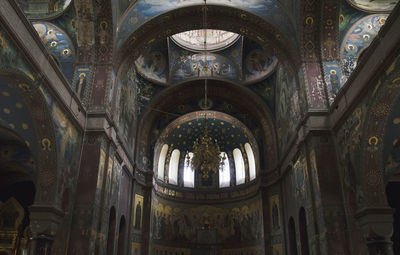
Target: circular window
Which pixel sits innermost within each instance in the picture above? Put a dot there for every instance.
(215, 39)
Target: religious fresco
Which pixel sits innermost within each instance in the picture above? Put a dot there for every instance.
(277, 249)
(43, 9)
(348, 16)
(374, 5)
(357, 39)
(125, 113)
(138, 212)
(81, 81)
(257, 63)
(153, 65)
(235, 53)
(288, 102)
(240, 223)
(300, 178)
(11, 59)
(186, 65)
(15, 114)
(333, 78)
(266, 90)
(275, 213)
(391, 149)
(144, 10)
(58, 44)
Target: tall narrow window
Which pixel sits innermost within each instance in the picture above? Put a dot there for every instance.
(303, 232)
(173, 167)
(292, 237)
(252, 162)
(224, 171)
(239, 166)
(161, 162)
(188, 173)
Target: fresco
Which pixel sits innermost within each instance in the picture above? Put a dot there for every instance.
(266, 90)
(146, 92)
(277, 249)
(347, 17)
(138, 212)
(287, 107)
(258, 63)
(190, 223)
(153, 65)
(275, 212)
(357, 39)
(125, 113)
(15, 114)
(144, 10)
(186, 65)
(58, 44)
(234, 53)
(374, 5)
(333, 79)
(81, 81)
(300, 177)
(43, 9)
(11, 58)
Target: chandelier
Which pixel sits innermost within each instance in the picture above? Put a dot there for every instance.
(206, 152)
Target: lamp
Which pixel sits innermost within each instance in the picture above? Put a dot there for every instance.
(206, 152)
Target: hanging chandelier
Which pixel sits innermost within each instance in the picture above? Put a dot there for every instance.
(206, 152)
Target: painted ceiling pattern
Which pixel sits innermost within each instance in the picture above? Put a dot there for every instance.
(144, 10)
(358, 38)
(59, 44)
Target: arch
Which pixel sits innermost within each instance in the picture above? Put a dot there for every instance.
(231, 93)
(121, 236)
(173, 167)
(251, 160)
(224, 171)
(111, 232)
(188, 172)
(224, 17)
(239, 166)
(303, 232)
(292, 237)
(161, 162)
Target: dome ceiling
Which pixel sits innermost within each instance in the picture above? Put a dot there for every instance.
(215, 39)
(244, 62)
(43, 9)
(374, 5)
(228, 131)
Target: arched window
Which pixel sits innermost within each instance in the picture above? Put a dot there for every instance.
(188, 173)
(173, 167)
(224, 171)
(239, 166)
(161, 162)
(252, 162)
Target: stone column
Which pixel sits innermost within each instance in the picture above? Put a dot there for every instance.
(377, 228)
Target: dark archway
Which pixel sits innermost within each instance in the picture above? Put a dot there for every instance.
(292, 237)
(121, 236)
(17, 188)
(303, 232)
(111, 232)
(392, 193)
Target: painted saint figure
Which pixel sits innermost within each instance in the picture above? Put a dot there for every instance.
(138, 215)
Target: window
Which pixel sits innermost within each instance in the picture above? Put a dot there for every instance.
(161, 162)
(188, 173)
(252, 162)
(173, 167)
(224, 171)
(239, 166)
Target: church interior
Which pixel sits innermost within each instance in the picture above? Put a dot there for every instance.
(199, 127)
